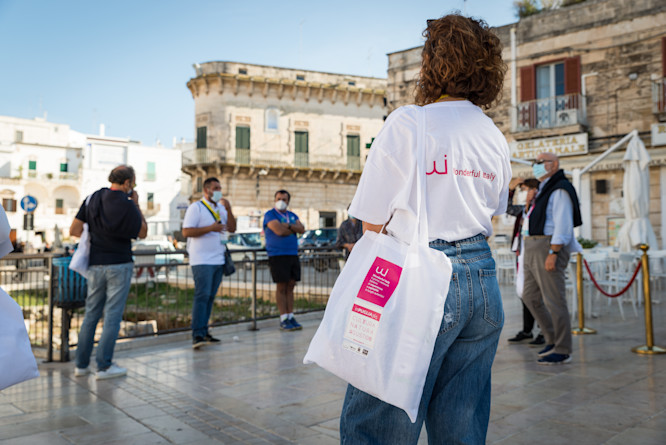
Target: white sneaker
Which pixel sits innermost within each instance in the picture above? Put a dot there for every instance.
(80, 372)
(111, 372)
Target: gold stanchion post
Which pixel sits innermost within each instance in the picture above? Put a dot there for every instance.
(649, 348)
(581, 329)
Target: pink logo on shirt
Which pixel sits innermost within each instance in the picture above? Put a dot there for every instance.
(380, 282)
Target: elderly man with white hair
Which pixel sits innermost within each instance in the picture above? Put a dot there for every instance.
(548, 246)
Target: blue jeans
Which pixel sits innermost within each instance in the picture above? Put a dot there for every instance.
(207, 279)
(456, 398)
(108, 286)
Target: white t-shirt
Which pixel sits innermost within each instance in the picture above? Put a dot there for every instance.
(468, 171)
(204, 249)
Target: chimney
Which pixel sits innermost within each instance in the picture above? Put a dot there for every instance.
(101, 130)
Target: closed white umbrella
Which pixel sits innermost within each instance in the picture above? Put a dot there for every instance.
(637, 228)
(57, 239)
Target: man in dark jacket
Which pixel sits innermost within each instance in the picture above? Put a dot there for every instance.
(548, 245)
(114, 219)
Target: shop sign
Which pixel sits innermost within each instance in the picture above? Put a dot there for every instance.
(566, 145)
(659, 134)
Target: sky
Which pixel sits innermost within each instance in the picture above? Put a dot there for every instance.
(126, 63)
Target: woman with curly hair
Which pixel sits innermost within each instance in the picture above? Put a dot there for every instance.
(467, 178)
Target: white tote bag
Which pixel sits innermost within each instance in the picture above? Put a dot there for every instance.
(384, 313)
(17, 363)
(81, 256)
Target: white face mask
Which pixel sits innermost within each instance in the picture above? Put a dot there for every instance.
(520, 197)
(281, 206)
(217, 195)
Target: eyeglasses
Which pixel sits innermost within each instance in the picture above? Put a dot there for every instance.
(540, 161)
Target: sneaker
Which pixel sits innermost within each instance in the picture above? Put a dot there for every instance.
(554, 359)
(520, 336)
(211, 340)
(286, 325)
(111, 372)
(80, 372)
(296, 325)
(538, 341)
(546, 351)
(198, 342)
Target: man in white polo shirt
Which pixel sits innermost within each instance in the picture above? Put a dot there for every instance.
(206, 223)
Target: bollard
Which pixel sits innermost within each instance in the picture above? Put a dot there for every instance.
(253, 326)
(581, 329)
(648, 348)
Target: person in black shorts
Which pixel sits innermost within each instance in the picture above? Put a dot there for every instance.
(280, 229)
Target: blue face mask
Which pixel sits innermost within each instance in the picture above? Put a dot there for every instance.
(217, 195)
(539, 170)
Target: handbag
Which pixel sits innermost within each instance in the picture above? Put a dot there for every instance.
(17, 362)
(385, 310)
(81, 257)
(228, 268)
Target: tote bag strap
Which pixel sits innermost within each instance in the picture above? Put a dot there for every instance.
(421, 232)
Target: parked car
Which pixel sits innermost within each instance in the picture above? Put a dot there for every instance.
(157, 246)
(318, 237)
(250, 239)
(320, 260)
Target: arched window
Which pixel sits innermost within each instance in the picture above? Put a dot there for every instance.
(272, 119)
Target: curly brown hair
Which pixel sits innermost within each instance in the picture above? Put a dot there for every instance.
(461, 57)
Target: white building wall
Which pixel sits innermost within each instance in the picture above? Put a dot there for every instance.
(89, 160)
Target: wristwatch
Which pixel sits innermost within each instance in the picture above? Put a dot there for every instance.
(551, 252)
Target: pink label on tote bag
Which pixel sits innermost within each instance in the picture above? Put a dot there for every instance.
(380, 282)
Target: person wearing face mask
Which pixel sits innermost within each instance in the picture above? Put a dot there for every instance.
(114, 219)
(350, 231)
(522, 214)
(280, 229)
(548, 243)
(206, 225)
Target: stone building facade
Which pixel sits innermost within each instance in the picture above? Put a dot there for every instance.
(579, 79)
(262, 128)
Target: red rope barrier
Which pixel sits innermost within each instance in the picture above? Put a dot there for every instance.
(626, 288)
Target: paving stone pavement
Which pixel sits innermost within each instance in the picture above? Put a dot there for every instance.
(255, 390)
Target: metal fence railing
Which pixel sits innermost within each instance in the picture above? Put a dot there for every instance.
(551, 112)
(161, 294)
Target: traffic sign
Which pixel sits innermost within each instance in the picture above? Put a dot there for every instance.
(29, 203)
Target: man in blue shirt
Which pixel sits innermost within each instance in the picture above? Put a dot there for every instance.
(548, 245)
(280, 229)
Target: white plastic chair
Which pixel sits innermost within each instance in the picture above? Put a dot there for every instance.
(621, 268)
(505, 263)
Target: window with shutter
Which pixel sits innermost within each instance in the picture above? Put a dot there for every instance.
(301, 149)
(353, 152)
(243, 138)
(202, 137)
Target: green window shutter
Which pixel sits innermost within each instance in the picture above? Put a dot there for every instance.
(63, 167)
(32, 165)
(202, 136)
(301, 141)
(243, 137)
(353, 145)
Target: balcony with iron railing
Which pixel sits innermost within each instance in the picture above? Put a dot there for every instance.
(249, 158)
(659, 96)
(552, 112)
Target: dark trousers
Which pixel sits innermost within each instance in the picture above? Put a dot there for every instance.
(528, 320)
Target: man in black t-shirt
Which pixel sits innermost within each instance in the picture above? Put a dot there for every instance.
(114, 219)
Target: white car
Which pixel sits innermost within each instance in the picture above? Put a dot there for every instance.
(246, 240)
(160, 253)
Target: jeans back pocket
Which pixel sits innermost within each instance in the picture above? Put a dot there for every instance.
(493, 311)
